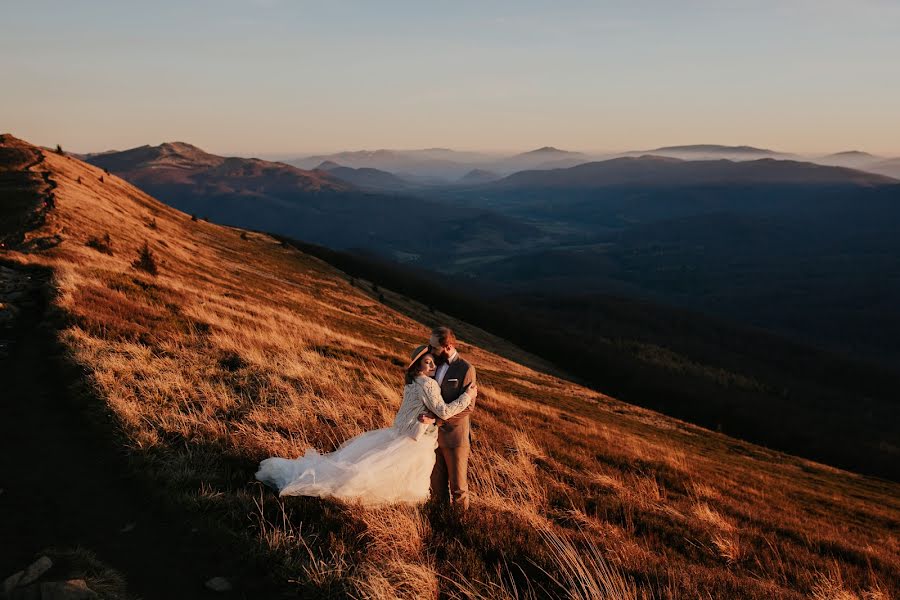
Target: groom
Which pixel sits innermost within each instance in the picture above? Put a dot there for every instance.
(454, 375)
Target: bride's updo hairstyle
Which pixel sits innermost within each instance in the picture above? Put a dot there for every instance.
(415, 365)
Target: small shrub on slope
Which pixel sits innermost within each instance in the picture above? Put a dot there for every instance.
(145, 260)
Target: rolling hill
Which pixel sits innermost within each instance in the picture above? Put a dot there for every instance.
(365, 178)
(546, 157)
(706, 148)
(854, 159)
(241, 348)
(713, 152)
(863, 161)
(665, 171)
(889, 167)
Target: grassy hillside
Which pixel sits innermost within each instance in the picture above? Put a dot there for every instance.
(241, 348)
(736, 380)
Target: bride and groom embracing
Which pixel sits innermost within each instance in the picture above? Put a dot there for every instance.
(425, 451)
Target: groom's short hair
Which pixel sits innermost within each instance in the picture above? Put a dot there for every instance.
(445, 336)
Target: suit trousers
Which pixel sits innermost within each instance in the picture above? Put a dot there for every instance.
(449, 479)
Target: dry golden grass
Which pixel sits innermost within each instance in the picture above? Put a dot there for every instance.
(242, 349)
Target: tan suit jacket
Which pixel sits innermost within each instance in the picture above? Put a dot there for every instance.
(455, 432)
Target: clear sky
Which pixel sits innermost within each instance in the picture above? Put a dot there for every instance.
(270, 76)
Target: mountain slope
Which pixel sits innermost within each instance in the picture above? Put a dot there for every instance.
(180, 163)
(241, 348)
(170, 155)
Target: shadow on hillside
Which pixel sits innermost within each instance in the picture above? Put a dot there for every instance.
(68, 480)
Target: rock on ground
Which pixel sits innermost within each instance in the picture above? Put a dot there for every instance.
(219, 584)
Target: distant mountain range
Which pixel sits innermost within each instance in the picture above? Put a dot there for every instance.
(431, 163)
(439, 166)
(333, 206)
(659, 170)
(853, 159)
(442, 165)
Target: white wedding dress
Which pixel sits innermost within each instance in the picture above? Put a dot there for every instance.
(376, 467)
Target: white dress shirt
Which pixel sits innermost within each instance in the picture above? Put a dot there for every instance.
(442, 370)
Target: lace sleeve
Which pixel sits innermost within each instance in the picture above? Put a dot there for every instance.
(436, 404)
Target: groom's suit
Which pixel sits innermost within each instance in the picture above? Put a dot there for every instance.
(452, 454)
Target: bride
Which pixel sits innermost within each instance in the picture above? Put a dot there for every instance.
(381, 466)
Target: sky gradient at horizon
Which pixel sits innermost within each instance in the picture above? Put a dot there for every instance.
(272, 76)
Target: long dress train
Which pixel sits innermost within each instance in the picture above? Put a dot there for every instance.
(387, 465)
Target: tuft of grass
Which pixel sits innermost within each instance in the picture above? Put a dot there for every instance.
(81, 563)
(582, 573)
(100, 244)
(146, 261)
(830, 585)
